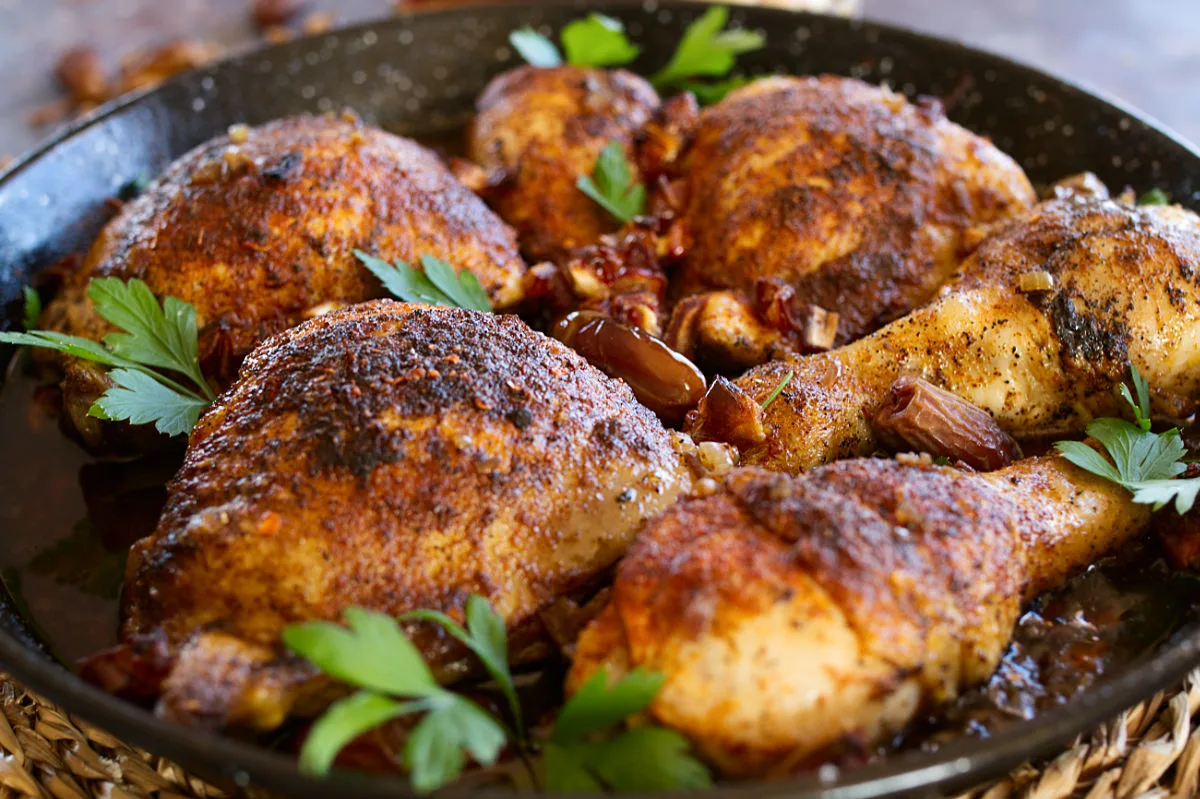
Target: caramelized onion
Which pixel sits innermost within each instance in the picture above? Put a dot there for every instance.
(662, 379)
(920, 415)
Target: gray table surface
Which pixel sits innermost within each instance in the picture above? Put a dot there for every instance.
(1146, 52)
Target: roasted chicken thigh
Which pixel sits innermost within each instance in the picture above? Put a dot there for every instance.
(257, 230)
(791, 614)
(843, 195)
(1043, 322)
(537, 131)
(393, 457)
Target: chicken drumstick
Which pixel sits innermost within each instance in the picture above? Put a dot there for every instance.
(1042, 323)
(791, 613)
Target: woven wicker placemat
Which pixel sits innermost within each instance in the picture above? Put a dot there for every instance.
(1151, 751)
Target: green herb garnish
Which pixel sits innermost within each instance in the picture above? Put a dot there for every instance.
(32, 307)
(597, 41)
(706, 50)
(153, 339)
(586, 750)
(535, 48)
(778, 389)
(612, 186)
(710, 92)
(436, 284)
(589, 752)
(374, 655)
(486, 636)
(1154, 197)
(1145, 463)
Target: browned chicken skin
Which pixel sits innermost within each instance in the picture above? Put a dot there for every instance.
(854, 198)
(393, 457)
(789, 614)
(1126, 290)
(258, 234)
(541, 130)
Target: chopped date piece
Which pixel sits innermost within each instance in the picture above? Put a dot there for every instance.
(929, 419)
(661, 379)
(728, 414)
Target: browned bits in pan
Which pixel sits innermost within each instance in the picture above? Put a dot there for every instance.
(661, 379)
(920, 415)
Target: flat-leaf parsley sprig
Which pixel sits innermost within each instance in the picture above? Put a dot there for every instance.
(1148, 464)
(590, 751)
(436, 283)
(612, 186)
(597, 40)
(153, 343)
(587, 748)
(705, 51)
(373, 654)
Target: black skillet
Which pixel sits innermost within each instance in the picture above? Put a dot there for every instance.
(419, 75)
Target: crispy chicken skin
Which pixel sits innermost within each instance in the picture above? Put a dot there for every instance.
(1126, 290)
(790, 614)
(258, 234)
(541, 130)
(394, 457)
(853, 196)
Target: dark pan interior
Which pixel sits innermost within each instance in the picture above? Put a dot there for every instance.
(419, 75)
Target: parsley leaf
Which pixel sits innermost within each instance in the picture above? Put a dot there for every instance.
(373, 653)
(648, 759)
(33, 307)
(709, 92)
(435, 284)
(151, 338)
(612, 186)
(535, 48)
(486, 636)
(706, 49)
(584, 752)
(74, 346)
(1144, 462)
(597, 40)
(164, 336)
(434, 749)
(345, 720)
(1154, 197)
(141, 399)
(778, 389)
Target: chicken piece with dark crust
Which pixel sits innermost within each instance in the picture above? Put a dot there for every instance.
(257, 230)
(855, 199)
(1123, 288)
(540, 130)
(393, 457)
(788, 615)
